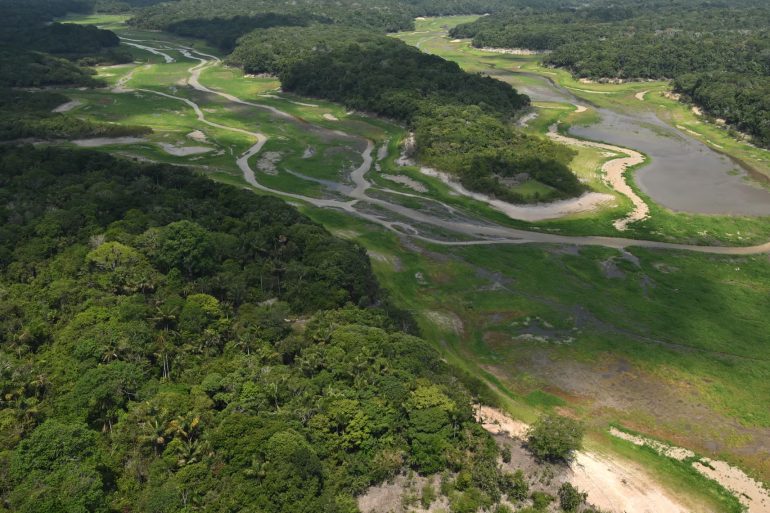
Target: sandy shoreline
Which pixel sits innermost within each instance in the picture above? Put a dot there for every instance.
(614, 171)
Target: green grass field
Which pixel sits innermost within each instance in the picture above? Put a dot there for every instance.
(666, 343)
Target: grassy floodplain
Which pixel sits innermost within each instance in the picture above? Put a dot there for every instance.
(430, 36)
(666, 343)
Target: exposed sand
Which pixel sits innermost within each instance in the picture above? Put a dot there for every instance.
(330, 117)
(184, 151)
(456, 41)
(613, 174)
(615, 485)
(697, 110)
(751, 493)
(66, 107)
(448, 321)
(580, 108)
(524, 120)
(677, 453)
(498, 423)
(621, 486)
(406, 181)
(197, 135)
(96, 142)
(539, 212)
(268, 162)
(515, 51)
(640, 95)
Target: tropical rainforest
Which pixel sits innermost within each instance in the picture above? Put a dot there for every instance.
(171, 344)
(716, 52)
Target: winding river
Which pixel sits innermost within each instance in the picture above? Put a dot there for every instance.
(406, 220)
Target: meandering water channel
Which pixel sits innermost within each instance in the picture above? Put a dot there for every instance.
(682, 173)
(360, 203)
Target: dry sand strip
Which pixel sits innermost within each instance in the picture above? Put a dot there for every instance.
(640, 95)
(66, 107)
(751, 493)
(615, 485)
(613, 174)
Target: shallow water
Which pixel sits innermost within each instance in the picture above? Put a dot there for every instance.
(683, 173)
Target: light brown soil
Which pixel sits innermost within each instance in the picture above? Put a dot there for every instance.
(613, 174)
(613, 484)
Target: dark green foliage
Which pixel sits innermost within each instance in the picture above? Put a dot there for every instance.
(505, 454)
(27, 114)
(58, 468)
(483, 152)
(570, 498)
(143, 367)
(515, 486)
(29, 40)
(460, 120)
(368, 71)
(715, 51)
(22, 68)
(380, 15)
(253, 250)
(741, 100)
(224, 32)
(554, 437)
(541, 500)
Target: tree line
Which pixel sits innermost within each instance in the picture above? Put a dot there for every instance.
(170, 344)
(460, 120)
(716, 53)
(34, 51)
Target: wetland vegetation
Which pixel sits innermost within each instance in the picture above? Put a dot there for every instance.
(191, 346)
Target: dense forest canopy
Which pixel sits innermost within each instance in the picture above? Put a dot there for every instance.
(461, 121)
(382, 15)
(717, 52)
(34, 51)
(170, 343)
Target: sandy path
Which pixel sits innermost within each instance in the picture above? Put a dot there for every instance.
(613, 174)
(640, 95)
(751, 493)
(613, 484)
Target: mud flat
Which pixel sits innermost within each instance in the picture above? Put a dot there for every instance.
(406, 181)
(98, 142)
(184, 151)
(588, 202)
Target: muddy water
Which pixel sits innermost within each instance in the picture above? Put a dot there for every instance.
(683, 173)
